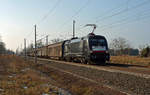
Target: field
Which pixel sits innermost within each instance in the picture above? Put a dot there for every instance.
(17, 78)
(135, 60)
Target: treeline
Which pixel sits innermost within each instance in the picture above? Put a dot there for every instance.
(127, 51)
(3, 49)
(121, 46)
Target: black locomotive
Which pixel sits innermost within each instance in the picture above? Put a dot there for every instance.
(88, 49)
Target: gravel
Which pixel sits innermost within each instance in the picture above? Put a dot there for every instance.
(124, 82)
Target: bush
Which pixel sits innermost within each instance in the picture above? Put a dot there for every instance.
(145, 52)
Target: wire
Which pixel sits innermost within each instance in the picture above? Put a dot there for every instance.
(28, 35)
(46, 15)
(144, 17)
(125, 10)
(125, 19)
(120, 12)
(50, 11)
(111, 10)
(133, 20)
(76, 13)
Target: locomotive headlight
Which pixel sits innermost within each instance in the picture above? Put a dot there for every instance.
(107, 51)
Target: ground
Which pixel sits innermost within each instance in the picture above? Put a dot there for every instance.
(24, 77)
(17, 78)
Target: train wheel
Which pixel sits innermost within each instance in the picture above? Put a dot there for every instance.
(89, 62)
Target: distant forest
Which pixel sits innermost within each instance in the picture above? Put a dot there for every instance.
(121, 46)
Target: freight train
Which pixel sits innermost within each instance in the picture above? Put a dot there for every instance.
(89, 49)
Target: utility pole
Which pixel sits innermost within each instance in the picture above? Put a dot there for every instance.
(21, 53)
(47, 45)
(73, 28)
(25, 54)
(46, 40)
(35, 46)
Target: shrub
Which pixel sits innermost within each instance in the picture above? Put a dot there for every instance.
(145, 52)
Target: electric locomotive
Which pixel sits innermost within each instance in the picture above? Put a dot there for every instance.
(91, 48)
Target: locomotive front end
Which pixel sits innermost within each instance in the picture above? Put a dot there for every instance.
(98, 48)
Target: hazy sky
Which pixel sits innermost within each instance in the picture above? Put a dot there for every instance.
(129, 19)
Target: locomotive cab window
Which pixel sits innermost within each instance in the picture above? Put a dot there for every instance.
(97, 43)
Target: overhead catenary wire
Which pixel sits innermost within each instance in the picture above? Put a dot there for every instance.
(46, 15)
(145, 17)
(125, 19)
(123, 11)
(75, 14)
(80, 9)
(109, 11)
(29, 34)
(120, 12)
(112, 10)
(142, 17)
(50, 11)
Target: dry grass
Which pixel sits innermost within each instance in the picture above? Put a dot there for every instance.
(17, 79)
(130, 60)
(20, 78)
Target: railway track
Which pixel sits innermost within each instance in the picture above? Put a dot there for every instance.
(137, 70)
(125, 78)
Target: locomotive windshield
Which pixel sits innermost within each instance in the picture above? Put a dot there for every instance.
(97, 43)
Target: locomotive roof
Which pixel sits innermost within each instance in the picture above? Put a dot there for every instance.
(76, 39)
(93, 36)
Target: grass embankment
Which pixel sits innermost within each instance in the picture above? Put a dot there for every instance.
(16, 78)
(130, 60)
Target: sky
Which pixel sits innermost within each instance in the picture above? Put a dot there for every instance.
(129, 19)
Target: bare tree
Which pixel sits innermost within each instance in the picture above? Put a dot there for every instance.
(119, 44)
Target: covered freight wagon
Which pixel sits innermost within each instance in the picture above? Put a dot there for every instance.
(55, 51)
